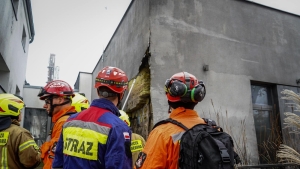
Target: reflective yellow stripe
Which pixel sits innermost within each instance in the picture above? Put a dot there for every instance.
(3, 138)
(4, 158)
(82, 143)
(27, 144)
(136, 145)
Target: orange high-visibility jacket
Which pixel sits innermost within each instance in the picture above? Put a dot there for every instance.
(162, 147)
(48, 148)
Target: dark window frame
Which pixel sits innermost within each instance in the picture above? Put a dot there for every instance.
(28, 111)
(273, 115)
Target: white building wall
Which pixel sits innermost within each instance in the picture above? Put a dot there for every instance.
(12, 53)
(30, 96)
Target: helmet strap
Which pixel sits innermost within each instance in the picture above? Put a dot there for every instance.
(14, 117)
(120, 97)
(119, 100)
(52, 106)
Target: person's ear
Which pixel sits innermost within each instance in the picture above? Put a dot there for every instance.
(61, 99)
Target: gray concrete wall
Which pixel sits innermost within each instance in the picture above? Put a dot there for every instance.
(240, 42)
(129, 43)
(85, 84)
(11, 49)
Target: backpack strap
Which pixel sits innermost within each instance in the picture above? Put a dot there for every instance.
(170, 120)
(223, 151)
(213, 128)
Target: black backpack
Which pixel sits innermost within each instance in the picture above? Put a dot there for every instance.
(204, 147)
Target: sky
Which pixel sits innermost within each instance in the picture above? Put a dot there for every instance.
(77, 32)
(291, 6)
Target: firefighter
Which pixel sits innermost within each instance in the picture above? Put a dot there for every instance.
(57, 95)
(17, 147)
(80, 102)
(96, 137)
(137, 141)
(183, 91)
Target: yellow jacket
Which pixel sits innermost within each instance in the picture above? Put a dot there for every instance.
(137, 145)
(17, 148)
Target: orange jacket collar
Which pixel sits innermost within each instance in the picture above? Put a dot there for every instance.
(181, 111)
(63, 112)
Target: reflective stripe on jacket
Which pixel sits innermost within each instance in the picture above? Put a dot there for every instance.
(137, 145)
(94, 138)
(162, 148)
(48, 148)
(17, 148)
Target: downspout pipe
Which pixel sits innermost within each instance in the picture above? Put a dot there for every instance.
(128, 94)
(29, 11)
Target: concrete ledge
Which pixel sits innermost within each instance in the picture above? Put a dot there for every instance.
(269, 165)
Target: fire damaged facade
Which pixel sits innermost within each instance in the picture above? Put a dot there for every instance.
(245, 53)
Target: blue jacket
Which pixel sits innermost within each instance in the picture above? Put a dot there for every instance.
(94, 138)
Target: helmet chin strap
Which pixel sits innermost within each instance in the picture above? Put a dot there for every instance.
(52, 106)
(119, 101)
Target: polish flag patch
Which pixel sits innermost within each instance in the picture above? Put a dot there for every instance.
(126, 135)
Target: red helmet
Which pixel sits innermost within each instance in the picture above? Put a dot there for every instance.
(56, 87)
(113, 78)
(185, 87)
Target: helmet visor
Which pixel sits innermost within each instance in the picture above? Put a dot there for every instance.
(42, 92)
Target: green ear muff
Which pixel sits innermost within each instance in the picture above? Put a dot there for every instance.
(192, 95)
(185, 91)
(198, 93)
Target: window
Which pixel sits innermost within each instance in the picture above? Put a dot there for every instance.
(24, 39)
(266, 121)
(15, 5)
(37, 122)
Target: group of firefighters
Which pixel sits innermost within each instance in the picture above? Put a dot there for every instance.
(97, 135)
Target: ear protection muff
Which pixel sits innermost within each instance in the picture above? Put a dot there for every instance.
(177, 88)
(198, 92)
